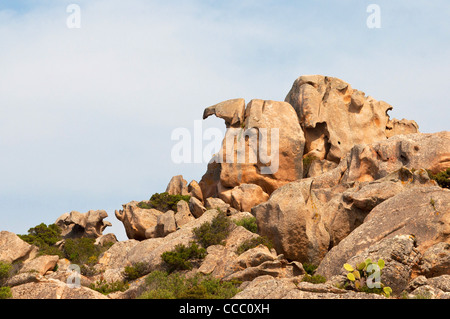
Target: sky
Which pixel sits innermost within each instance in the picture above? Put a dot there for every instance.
(86, 114)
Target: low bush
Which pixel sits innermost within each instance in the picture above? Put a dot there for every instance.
(248, 223)
(181, 257)
(315, 279)
(109, 287)
(442, 178)
(44, 237)
(214, 232)
(5, 293)
(309, 268)
(162, 285)
(254, 242)
(164, 202)
(135, 271)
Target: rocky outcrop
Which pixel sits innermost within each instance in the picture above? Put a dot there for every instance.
(13, 249)
(266, 150)
(335, 117)
(78, 225)
(232, 111)
(137, 220)
(177, 186)
(422, 212)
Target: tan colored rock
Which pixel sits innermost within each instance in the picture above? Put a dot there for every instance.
(177, 186)
(414, 151)
(12, 248)
(319, 167)
(232, 111)
(335, 117)
(183, 214)
(137, 220)
(40, 265)
(106, 239)
(258, 164)
(408, 213)
(53, 289)
(246, 196)
(436, 260)
(196, 207)
(78, 225)
(292, 221)
(399, 127)
(195, 190)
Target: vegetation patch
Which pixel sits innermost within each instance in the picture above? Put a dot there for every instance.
(314, 279)
(214, 232)
(44, 237)
(254, 242)
(182, 257)
(162, 285)
(442, 178)
(135, 271)
(109, 287)
(248, 223)
(164, 202)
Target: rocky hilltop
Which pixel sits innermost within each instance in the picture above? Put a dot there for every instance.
(357, 206)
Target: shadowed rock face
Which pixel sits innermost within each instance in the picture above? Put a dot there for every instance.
(78, 225)
(335, 117)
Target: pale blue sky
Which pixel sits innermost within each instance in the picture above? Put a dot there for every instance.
(86, 114)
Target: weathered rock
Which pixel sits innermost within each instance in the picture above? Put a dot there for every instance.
(246, 196)
(53, 289)
(183, 214)
(106, 239)
(269, 163)
(78, 225)
(408, 213)
(137, 220)
(318, 167)
(436, 260)
(40, 265)
(401, 127)
(166, 224)
(335, 117)
(232, 111)
(292, 221)
(399, 255)
(195, 190)
(374, 161)
(12, 248)
(177, 186)
(268, 287)
(217, 203)
(196, 207)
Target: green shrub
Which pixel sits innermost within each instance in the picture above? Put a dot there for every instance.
(44, 237)
(214, 232)
(315, 279)
(254, 242)
(81, 250)
(5, 271)
(108, 287)
(309, 268)
(164, 202)
(5, 293)
(181, 257)
(442, 178)
(248, 223)
(135, 271)
(162, 285)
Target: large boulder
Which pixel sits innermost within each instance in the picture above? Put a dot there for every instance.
(335, 117)
(232, 111)
(422, 212)
(78, 225)
(177, 186)
(137, 220)
(266, 150)
(414, 151)
(292, 221)
(12, 248)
